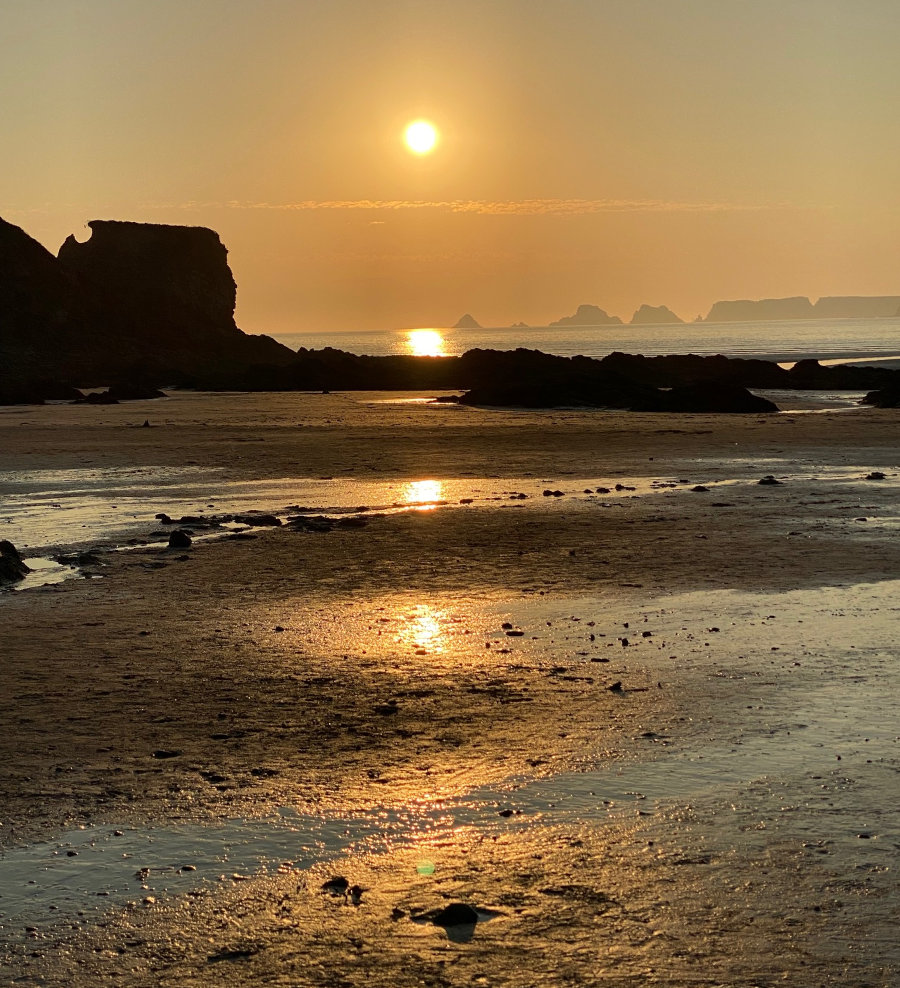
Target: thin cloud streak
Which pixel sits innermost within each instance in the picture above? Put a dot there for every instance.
(482, 207)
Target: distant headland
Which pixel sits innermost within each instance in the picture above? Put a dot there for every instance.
(739, 310)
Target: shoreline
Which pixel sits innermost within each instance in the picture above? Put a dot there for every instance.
(348, 669)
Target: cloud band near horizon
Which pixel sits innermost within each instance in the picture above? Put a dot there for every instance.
(503, 207)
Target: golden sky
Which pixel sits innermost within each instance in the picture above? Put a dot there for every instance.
(615, 152)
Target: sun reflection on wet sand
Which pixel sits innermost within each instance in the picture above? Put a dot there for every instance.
(423, 494)
(425, 343)
(424, 628)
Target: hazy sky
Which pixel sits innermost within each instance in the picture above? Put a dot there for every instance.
(606, 151)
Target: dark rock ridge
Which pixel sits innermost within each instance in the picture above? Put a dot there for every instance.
(714, 396)
(588, 315)
(138, 303)
(654, 315)
(619, 380)
(466, 322)
(800, 307)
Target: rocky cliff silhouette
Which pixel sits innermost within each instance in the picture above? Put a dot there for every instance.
(137, 301)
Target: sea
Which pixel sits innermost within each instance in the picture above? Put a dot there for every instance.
(828, 340)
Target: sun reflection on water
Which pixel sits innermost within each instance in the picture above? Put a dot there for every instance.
(425, 343)
(425, 628)
(424, 494)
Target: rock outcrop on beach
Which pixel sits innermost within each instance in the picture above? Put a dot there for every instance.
(588, 315)
(12, 568)
(169, 294)
(654, 315)
(44, 316)
(137, 304)
(674, 370)
(714, 397)
(619, 380)
(466, 322)
(888, 397)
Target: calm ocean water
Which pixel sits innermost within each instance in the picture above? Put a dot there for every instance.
(828, 339)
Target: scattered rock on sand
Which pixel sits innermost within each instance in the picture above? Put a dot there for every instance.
(259, 519)
(456, 914)
(338, 885)
(875, 475)
(12, 569)
(769, 481)
(179, 539)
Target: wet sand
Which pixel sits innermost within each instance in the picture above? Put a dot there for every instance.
(366, 669)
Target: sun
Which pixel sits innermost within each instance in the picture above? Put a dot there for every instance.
(421, 137)
(425, 343)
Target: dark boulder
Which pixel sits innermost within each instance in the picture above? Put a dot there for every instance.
(99, 398)
(884, 398)
(456, 914)
(12, 568)
(36, 392)
(714, 397)
(134, 391)
(258, 519)
(810, 375)
(179, 539)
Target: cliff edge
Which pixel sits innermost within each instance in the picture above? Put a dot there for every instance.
(137, 301)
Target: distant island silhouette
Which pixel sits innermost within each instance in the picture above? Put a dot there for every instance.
(466, 322)
(749, 310)
(588, 315)
(654, 315)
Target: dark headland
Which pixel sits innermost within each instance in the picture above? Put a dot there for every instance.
(142, 306)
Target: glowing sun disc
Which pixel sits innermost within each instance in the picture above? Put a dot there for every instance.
(425, 343)
(420, 136)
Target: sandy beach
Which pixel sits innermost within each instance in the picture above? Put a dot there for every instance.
(644, 732)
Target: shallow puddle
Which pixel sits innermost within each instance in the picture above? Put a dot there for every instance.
(64, 509)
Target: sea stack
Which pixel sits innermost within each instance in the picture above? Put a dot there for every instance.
(588, 315)
(466, 322)
(654, 315)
